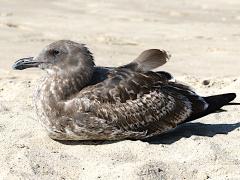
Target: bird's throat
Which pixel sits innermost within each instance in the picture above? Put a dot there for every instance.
(54, 90)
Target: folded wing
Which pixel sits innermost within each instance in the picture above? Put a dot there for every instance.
(140, 101)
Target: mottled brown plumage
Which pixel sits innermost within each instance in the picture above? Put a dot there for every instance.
(78, 101)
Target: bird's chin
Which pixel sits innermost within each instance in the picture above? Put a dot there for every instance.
(50, 71)
(45, 66)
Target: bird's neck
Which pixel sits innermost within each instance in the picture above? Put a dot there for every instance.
(54, 90)
(52, 93)
(60, 87)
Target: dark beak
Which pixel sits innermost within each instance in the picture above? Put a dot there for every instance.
(25, 63)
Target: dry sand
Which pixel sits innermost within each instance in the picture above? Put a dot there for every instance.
(204, 39)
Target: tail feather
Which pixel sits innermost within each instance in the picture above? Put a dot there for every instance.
(214, 103)
(148, 60)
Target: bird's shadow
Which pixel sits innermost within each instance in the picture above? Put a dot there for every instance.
(185, 130)
(192, 129)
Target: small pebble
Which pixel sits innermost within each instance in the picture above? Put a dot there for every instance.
(206, 82)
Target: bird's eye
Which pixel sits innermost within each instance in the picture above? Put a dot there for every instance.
(54, 52)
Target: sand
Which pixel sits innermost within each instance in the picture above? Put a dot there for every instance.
(203, 38)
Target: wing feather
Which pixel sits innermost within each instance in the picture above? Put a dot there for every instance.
(138, 102)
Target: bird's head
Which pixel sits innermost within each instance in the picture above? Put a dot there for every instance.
(62, 56)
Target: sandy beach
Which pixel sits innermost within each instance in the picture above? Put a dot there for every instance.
(203, 38)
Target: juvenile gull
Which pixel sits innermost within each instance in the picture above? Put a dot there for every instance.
(77, 100)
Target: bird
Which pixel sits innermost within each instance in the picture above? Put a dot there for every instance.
(77, 100)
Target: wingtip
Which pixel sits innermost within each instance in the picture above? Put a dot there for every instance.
(220, 99)
(230, 96)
